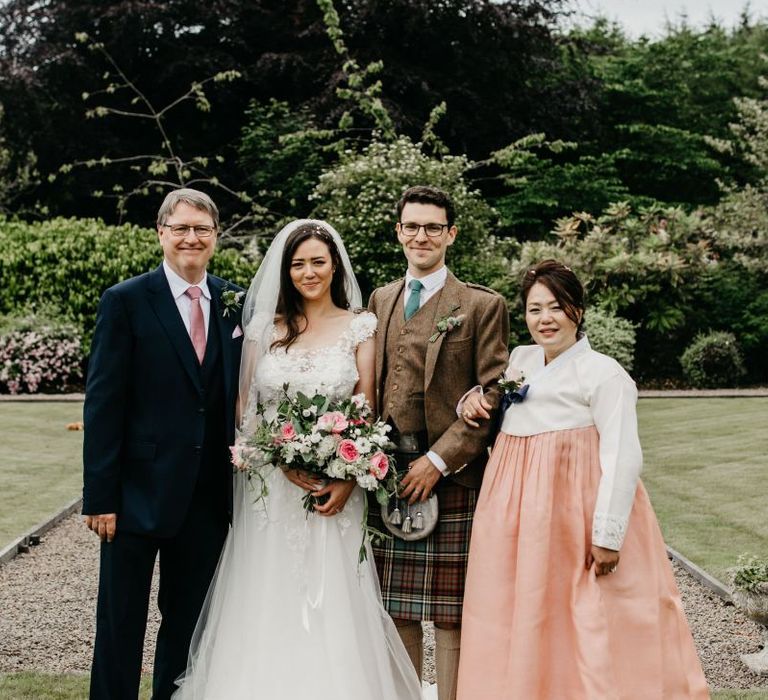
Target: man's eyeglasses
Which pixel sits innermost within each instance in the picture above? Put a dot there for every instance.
(411, 228)
(183, 229)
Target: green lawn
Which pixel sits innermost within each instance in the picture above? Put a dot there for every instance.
(40, 686)
(40, 463)
(43, 686)
(705, 467)
(706, 462)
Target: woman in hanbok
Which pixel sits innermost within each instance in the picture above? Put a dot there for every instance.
(569, 595)
(291, 613)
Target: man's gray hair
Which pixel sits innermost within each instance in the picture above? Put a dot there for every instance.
(195, 198)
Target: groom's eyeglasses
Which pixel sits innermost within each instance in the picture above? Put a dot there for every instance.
(183, 230)
(411, 228)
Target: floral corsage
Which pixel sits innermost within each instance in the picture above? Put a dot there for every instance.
(446, 324)
(231, 301)
(512, 383)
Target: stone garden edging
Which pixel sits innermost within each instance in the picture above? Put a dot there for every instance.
(32, 536)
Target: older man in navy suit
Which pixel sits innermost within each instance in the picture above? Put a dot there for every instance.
(159, 417)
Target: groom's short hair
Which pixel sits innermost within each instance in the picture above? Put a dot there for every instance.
(426, 194)
(195, 198)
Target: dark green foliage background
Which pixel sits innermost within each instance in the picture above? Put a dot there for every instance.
(68, 263)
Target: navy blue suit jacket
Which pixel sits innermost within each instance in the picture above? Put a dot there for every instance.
(144, 405)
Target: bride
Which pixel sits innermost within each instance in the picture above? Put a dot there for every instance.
(290, 613)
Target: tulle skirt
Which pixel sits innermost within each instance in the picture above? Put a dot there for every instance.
(291, 614)
(536, 623)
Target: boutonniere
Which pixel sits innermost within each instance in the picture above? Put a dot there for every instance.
(231, 301)
(446, 324)
(512, 384)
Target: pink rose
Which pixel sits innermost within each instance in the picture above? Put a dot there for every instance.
(287, 432)
(332, 422)
(379, 465)
(348, 451)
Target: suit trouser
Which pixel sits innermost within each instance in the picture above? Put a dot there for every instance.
(187, 563)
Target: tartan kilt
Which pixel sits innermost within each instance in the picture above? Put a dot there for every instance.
(424, 579)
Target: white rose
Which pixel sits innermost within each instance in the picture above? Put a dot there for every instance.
(368, 482)
(513, 374)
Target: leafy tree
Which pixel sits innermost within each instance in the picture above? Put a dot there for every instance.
(155, 171)
(358, 197)
(16, 174)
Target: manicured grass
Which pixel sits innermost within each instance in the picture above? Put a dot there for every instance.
(706, 462)
(40, 463)
(43, 686)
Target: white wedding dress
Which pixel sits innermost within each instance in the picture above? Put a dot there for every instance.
(290, 614)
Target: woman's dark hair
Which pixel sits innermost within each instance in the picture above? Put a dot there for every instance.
(564, 285)
(290, 303)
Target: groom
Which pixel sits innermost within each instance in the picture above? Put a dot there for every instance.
(421, 374)
(159, 416)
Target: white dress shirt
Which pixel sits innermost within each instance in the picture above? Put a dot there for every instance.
(580, 388)
(178, 286)
(432, 284)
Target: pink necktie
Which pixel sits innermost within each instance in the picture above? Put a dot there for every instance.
(197, 322)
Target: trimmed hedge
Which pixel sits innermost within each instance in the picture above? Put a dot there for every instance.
(69, 263)
(713, 360)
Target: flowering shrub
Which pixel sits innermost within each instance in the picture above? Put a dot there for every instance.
(39, 355)
(358, 196)
(612, 335)
(713, 360)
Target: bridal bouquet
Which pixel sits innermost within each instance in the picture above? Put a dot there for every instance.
(331, 439)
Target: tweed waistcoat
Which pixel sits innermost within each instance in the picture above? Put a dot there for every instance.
(406, 352)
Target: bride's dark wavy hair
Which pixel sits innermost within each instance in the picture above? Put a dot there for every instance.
(290, 303)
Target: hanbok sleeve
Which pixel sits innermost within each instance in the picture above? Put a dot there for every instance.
(613, 404)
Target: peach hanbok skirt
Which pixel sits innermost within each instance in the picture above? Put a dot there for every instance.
(536, 623)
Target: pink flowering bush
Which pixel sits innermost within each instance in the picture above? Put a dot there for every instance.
(39, 355)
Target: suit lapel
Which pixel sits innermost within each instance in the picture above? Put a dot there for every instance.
(164, 306)
(224, 329)
(384, 313)
(449, 304)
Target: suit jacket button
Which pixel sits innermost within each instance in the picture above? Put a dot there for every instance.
(198, 449)
(403, 331)
(201, 410)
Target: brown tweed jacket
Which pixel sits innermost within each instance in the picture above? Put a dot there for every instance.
(475, 353)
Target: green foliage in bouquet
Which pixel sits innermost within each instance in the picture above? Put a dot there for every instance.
(72, 261)
(713, 360)
(329, 439)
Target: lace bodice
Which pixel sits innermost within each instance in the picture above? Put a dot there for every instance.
(330, 370)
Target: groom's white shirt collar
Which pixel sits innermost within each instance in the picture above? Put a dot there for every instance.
(179, 285)
(432, 284)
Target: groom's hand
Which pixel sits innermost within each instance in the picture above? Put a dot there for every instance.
(103, 525)
(421, 478)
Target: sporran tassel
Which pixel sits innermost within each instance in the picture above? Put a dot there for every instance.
(418, 521)
(396, 517)
(406, 528)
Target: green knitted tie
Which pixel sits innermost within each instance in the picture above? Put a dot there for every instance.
(412, 305)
